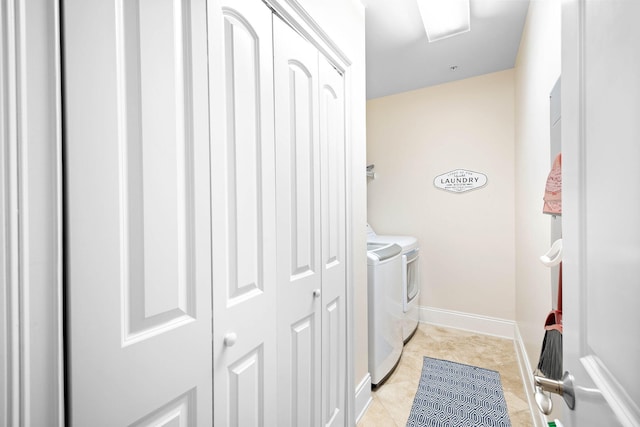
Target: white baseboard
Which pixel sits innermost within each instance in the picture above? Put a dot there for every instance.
(470, 322)
(526, 372)
(363, 396)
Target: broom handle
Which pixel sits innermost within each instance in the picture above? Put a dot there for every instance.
(560, 289)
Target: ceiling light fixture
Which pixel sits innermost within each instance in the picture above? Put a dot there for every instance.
(444, 18)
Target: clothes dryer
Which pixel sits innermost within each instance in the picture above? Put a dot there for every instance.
(410, 278)
(385, 309)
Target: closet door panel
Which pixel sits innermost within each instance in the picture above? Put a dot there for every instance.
(332, 149)
(243, 213)
(298, 227)
(303, 202)
(137, 228)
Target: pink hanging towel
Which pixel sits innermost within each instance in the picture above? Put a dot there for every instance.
(553, 189)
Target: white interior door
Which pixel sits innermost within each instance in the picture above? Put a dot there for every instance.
(243, 213)
(601, 227)
(137, 213)
(332, 152)
(299, 269)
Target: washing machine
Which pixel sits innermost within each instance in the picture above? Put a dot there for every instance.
(384, 268)
(410, 278)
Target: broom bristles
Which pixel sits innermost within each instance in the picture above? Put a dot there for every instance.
(550, 363)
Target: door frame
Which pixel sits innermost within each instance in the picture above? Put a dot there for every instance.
(31, 341)
(31, 201)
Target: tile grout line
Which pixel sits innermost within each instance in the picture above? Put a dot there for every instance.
(443, 343)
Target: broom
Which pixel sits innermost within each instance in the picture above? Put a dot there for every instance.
(550, 363)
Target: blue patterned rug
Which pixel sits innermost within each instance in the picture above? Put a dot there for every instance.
(451, 394)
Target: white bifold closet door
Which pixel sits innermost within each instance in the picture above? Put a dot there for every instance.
(243, 214)
(298, 208)
(278, 218)
(309, 114)
(333, 255)
(170, 229)
(137, 213)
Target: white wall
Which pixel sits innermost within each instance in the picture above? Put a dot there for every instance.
(537, 69)
(467, 240)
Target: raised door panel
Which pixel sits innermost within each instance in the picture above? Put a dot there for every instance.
(332, 148)
(178, 412)
(243, 213)
(298, 227)
(137, 216)
(303, 360)
(155, 171)
(246, 390)
(303, 203)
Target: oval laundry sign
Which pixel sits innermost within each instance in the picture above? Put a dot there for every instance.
(460, 180)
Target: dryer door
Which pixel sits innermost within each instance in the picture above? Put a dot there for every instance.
(410, 277)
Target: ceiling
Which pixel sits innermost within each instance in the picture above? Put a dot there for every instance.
(399, 57)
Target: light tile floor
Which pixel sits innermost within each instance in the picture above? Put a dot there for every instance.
(393, 399)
